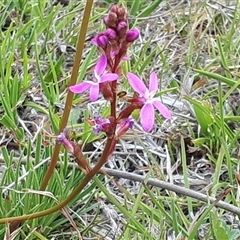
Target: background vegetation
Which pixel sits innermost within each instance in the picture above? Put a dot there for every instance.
(194, 47)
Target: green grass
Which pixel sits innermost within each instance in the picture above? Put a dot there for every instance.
(195, 52)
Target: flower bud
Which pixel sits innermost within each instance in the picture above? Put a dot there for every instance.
(112, 20)
(132, 35)
(110, 34)
(102, 40)
(125, 113)
(101, 124)
(122, 29)
(62, 139)
(106, 91)
(106, 21)
(122, 16)
(114, 8)
(121, 25)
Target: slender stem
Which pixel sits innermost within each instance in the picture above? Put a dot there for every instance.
(113, 103)
(103, 158)
(68, 104)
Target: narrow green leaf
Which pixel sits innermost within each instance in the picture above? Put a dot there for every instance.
(135, 6)
(216, 76)
(148, 10)
(218, 230)
(203, 111)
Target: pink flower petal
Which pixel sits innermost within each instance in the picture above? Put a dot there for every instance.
(162, 109)
(94, 92)
(101, 65)
(81, 87)
(94, 41)
(153, 82)
(108, 77)
(147, 117)
(137, 84)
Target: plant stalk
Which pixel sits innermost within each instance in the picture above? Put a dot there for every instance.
(68, 104)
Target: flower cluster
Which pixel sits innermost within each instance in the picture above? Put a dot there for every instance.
(113, 45)
(117, 38)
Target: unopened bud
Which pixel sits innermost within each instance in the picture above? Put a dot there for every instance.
(66, 143)
(114, 8)
(102, 41)
(106, 21)
(106, 91)
(110, 34)
(112, 20)
(122, 16)
(132, 35)
(122, 29)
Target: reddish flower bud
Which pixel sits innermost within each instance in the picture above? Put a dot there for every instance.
(132, 35)
(102, 40)
(122, 29)
(135, 103)
(114, 8)
(80, 159)
(112, 20)
(125, 113)
(111, 34)
(122, 16)
(106, 21)
(121, 25)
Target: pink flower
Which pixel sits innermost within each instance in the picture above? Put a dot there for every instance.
(100, 77)
(100, 124)
(146, 96)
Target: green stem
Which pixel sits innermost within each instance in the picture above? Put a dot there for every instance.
(68, 104)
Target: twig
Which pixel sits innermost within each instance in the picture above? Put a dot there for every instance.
(153, 182)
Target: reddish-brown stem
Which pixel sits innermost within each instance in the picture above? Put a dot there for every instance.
(113, 103)
(68, 105)
(114, 87)
(112, 147)
(103, 158)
